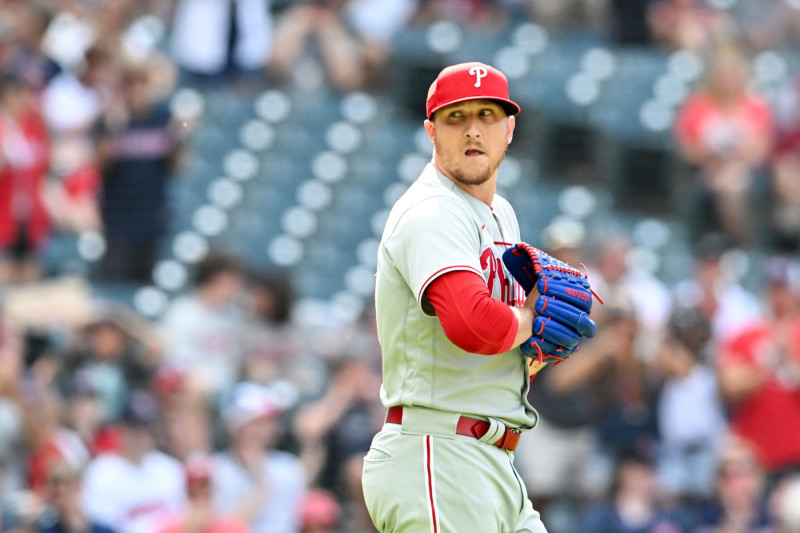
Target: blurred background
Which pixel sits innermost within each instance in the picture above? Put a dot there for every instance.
(192, 193)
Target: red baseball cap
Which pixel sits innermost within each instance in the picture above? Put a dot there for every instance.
(469, 81)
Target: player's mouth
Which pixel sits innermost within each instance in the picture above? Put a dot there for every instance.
(473, 152)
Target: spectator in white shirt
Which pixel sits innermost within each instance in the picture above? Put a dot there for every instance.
(134, 489)
(715, 292)
(203, 328)
(252, 479)
(690, 413)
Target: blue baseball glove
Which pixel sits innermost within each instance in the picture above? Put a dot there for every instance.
(563, 306)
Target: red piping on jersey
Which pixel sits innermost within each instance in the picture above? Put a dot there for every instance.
(429, 469)
(439, 272)
(503, 243)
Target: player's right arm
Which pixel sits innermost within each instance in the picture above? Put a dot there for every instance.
(472, 319)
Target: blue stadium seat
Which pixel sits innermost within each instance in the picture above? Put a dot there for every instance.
(314, 108)
(616, 111)
(544, 87)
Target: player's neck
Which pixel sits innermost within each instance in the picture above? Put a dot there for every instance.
(484, 191)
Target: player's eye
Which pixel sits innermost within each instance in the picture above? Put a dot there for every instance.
(487, 112)
(456, 114)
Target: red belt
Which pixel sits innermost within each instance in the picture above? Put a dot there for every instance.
(466, 426)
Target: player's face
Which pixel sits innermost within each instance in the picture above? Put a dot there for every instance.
(470, 139)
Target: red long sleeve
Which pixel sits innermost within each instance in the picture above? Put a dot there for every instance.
(470, 317)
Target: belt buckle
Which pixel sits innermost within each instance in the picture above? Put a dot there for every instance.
(515, 430)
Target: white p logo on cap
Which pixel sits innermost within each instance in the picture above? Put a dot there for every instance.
(479, 73)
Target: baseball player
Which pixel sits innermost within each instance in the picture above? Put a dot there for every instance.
(452, 314)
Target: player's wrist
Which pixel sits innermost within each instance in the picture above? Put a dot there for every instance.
(530, 299)
(525, 317)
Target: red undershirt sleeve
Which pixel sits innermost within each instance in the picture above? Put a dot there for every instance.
(470, 317)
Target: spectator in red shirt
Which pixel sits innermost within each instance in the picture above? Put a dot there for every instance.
(72, 104)
(726, 132)
(68, 439)
(24, 162)
(759, 372)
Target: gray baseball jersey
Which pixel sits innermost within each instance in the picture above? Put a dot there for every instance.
(436, 228)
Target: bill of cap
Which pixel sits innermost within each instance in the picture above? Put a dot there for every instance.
(510, 107)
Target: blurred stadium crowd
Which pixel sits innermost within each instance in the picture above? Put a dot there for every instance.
(191, 194)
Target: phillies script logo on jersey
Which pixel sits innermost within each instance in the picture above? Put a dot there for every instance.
(501, 286)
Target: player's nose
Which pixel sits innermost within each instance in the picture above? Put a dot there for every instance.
(473, 131)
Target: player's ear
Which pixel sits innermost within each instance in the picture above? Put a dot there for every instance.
(430, 128)
(512, 122)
